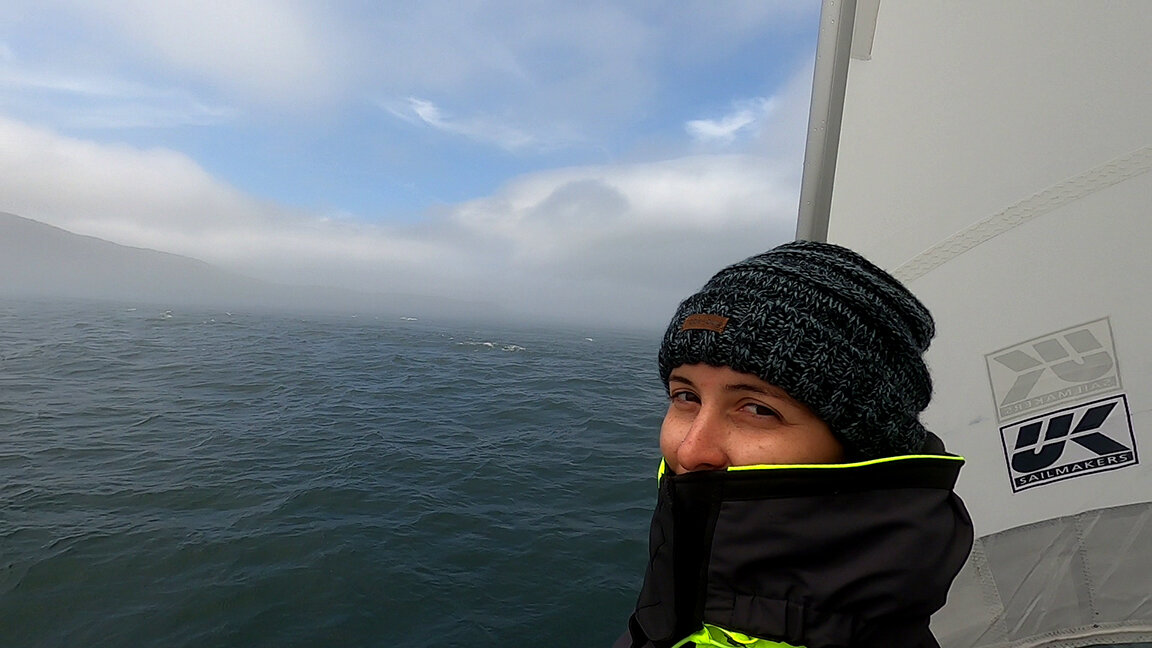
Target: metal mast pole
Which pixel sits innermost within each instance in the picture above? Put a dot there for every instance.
(833, 51)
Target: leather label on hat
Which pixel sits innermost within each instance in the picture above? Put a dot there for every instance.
(703, 321)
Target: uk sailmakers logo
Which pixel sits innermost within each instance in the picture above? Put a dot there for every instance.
(1075, 441)
(1053, 369)
(1048, 430)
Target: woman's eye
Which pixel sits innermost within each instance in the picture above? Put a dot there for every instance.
(760, 410)
(683, 397)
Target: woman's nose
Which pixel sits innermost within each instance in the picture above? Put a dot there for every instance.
(704, 445)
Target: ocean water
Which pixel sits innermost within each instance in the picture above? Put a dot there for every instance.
(202, 478)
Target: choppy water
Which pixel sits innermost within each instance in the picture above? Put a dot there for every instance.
(198, 478)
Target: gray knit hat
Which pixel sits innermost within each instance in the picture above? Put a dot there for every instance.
(825, 325)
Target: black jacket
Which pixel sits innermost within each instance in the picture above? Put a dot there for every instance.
(842, 556)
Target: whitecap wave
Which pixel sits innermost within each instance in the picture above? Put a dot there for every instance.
(492, 345)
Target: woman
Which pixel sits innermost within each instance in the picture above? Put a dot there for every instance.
(801, 502)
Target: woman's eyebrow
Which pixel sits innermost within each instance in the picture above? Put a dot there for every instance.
(771, 391)
(745, 387)
(767, 390)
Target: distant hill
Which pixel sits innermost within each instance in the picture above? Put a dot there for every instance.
(41, 260)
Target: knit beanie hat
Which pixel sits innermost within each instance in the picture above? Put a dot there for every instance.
(827, 326)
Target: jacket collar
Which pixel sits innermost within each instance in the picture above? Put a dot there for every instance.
(821, 556)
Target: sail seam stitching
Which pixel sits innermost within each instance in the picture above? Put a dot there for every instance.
(1091, 181)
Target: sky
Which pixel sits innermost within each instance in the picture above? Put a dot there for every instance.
(586, 160)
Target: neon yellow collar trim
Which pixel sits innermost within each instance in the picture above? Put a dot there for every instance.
(871, 462)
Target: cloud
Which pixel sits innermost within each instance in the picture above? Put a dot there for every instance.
(520, 76)
(269, 52)
(630, 238)
(71, 182)
(101, 102)
(746, 117)
(622, 242)
(476, 129)
(523, 61)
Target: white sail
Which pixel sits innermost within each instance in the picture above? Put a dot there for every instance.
(996, 155)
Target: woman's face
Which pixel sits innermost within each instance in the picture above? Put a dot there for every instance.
(719, 417)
